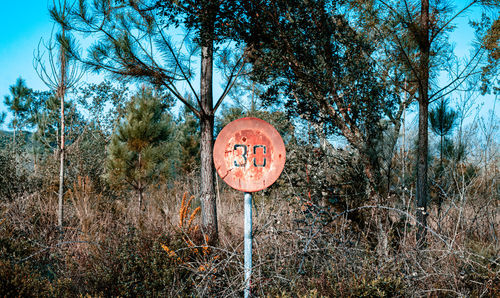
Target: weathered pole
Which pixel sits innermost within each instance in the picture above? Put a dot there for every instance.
(248, 243)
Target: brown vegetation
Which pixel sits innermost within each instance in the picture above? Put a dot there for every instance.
(302, 246)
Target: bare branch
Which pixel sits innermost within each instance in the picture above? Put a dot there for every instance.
(232, 78)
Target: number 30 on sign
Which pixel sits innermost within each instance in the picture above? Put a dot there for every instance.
(249, 154)
(245, 155)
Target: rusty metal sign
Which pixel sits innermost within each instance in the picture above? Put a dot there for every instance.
(249, 154)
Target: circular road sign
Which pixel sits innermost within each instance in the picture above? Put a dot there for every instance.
(249, 154)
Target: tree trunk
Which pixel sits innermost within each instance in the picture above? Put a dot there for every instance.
(61, 91)
(140, 186)
(140, 196)
(207, 191)
(441, 154)
(422, 166)
(423, 110)
(15, 126)
(61, 180)
(381, 216)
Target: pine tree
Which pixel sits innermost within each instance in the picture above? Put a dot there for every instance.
(137, 41)
(488, 33)
(18, 103)
(442, 120)
(137, 154)
(45, 111)
(60, 73)
(188, 136)
(415, 37)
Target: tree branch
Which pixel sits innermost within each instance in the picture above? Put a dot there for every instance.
(231, 81)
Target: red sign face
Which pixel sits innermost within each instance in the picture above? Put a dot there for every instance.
(249, 154)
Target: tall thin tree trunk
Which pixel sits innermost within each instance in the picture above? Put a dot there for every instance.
(423, 142)
(15, 117)
(35, 161)
(403, 149)
(61, 91)
(422, 167)
(61, 179)
(140, 186)
(140, 196)
(207, 195)
(441, 154)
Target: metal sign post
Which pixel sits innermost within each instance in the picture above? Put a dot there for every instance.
(248, 243)
(249, 155)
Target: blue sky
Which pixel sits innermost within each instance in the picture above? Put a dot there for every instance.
(23, 23)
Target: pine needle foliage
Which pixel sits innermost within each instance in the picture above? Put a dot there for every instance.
(18, 103)
(188, 137)
(139, 148)
(442, 119)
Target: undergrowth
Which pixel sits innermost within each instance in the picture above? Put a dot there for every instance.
(301, 248)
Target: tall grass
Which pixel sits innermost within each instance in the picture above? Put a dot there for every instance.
(109, 247)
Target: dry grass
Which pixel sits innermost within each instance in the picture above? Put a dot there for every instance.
(110, 247)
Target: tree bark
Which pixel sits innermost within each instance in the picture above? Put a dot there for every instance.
(140, 196)
(441, 153)
(377, 198)
(140, 186)
(61, 93)
(61, 177)
(15, 126)
(207, 188)
(423, 142)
